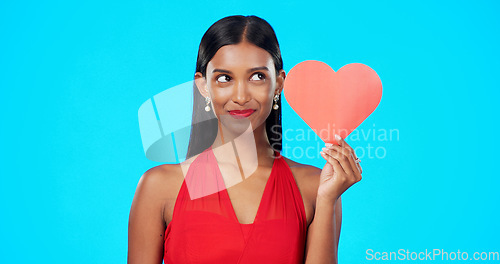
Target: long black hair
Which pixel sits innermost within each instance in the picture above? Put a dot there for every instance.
(227, 31)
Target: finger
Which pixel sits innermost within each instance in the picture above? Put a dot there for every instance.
(357, 173)
(353, 165)
(354, 158)
(357, 163)
(347, 162)
(344, 145)
(345, 152)
(340, 140)
(335, 163)
(342, 158)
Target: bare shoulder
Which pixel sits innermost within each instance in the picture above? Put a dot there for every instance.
(155, 189)
(160, 186)
(162, 181)
(157, 192)
(307, 178)
(303, 170)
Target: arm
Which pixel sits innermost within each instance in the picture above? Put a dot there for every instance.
(324, 232)
(339, 173)
(146, 223)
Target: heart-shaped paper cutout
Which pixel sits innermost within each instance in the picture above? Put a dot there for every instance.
(332, 102)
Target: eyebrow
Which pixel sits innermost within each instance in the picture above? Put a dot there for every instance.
(250, 70)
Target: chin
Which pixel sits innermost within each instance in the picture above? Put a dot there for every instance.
(235, 125)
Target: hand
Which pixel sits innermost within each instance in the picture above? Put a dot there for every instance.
(340, 171)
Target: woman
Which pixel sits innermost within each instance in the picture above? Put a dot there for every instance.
(278, 211)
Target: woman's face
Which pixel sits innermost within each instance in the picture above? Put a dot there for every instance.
(241, 81)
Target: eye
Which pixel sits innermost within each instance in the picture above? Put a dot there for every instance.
(223, 78)
(258, 76)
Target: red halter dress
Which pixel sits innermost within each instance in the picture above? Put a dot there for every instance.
(205, 229)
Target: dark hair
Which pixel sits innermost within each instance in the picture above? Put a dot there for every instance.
(227, 31)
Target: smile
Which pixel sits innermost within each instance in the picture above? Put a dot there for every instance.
(241, 113)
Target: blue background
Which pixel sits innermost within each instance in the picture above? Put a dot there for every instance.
(73, 75)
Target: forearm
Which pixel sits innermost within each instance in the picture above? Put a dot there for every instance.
(323, 233)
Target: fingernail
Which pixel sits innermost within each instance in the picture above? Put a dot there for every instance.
(337, 137)
(323, 149)
(328, 144)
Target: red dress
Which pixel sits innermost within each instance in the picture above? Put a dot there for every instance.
(206, 229)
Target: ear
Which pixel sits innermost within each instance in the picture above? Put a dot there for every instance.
(201, 84)
(280, 81)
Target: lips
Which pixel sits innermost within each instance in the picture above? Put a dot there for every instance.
(241, 113)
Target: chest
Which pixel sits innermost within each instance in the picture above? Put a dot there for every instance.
(244, 196)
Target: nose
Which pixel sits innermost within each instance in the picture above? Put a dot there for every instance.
(241, 94)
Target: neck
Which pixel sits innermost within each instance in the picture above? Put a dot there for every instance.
(250, 148)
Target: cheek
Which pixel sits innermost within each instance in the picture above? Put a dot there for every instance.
(266, 97)
(220, 102)
(266, 100)
(220, 96)
(263, 93)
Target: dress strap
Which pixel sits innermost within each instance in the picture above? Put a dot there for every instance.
(277, 154)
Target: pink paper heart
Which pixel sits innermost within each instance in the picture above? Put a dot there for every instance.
(332, 102)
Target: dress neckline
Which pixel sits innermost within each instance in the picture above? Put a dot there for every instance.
(264, 194)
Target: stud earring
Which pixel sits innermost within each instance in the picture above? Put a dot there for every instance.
(276, 98)
(207, 100)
